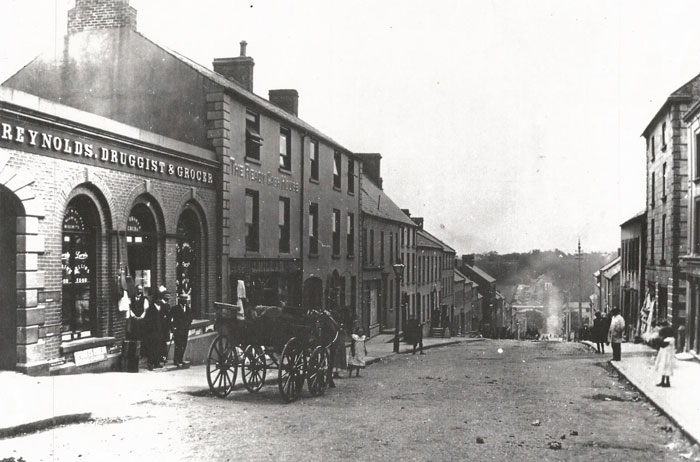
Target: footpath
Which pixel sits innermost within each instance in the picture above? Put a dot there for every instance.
(31, 404)
(680, 402)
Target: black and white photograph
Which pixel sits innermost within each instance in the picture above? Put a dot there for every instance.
(313, 230)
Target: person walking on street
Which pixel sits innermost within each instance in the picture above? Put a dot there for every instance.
(414, 334)
(666, 357)
(181, 322)
(617, 327)
(599, 332)
(358, 350)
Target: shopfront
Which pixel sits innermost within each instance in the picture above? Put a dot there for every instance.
(84, 200)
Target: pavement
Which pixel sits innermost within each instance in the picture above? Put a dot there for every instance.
(681, 402)
(36, 403)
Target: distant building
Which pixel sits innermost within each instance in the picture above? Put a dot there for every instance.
(632, 267)
(388, 237)
(608, 282)
(490, 319)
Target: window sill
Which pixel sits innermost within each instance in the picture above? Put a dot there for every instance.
(351, 193)
(335, 188)
(254, 253)
(285, 171)
(252, 160)
(314, 181)
(335, 256)
(313, 255)
(350, 256)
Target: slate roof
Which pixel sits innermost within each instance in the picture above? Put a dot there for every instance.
(377, 203)
(486, 276)
(431, 241)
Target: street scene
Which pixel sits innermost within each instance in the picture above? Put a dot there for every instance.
(316, 230)
(493, 400)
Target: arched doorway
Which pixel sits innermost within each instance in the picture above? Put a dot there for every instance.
(10, 209)
(313, 293)
(80, 229)
(189, 248)
(142, 244)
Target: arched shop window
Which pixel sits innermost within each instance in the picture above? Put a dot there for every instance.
(141, 240)
(78, 282)
(188, 268)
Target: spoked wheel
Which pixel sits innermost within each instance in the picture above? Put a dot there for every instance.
(317, 371)
(253, 367)
(291, 370)
(222, 366)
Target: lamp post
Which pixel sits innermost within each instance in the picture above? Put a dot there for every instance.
(398, 272)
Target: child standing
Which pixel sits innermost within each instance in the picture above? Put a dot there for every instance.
(666, 358)
(358, 350)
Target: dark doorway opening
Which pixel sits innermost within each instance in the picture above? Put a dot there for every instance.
(10, 208)
(189, 244)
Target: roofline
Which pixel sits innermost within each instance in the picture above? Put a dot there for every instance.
(438, 240)
(250, 97)
(671, 99)
(634, 218)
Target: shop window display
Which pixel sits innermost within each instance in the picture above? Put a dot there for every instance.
(77, 268)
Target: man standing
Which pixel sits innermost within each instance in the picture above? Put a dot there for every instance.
(182, 320)
(136, 315)
(617, 327)
(414, 334)
(157, 328)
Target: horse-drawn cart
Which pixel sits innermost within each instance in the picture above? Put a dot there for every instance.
(295, 344)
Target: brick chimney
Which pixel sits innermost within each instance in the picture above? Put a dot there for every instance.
(372, 167)
(101, 14)
(238, 70)
(407, 212)
(418, 221)
(287, 100)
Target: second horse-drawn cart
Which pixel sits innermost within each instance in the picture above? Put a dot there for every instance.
(294, 344)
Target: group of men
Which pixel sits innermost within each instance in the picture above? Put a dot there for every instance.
(152, 322)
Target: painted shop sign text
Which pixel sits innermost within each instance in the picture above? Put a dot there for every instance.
(265, 178)
(72, 147)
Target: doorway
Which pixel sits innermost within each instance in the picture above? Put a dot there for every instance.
(141, 247)
(10, 208)
(188, 248)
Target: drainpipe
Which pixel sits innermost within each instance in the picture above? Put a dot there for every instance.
(301, 215)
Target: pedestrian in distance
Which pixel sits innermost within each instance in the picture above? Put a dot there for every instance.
(617, 328)
(414, 334)
(341, 357)
(599, 332)
(181, 321)
(358, 351)
(666, 357)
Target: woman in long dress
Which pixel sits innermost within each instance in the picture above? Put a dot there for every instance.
(666, 358)
(358, 351)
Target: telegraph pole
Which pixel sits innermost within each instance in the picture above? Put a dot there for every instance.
(579, 257)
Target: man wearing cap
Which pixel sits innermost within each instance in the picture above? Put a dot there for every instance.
(157, 328)
(181, 322)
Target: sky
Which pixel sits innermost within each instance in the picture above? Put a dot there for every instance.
(508, 125)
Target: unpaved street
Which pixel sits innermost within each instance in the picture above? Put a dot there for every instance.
(532, 402)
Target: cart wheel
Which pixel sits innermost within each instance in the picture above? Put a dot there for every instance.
(317, 371)
(222, 366)
(291, 370)
(253, 367)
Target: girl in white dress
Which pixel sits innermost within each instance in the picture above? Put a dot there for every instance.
(666, 358)
(358, 351)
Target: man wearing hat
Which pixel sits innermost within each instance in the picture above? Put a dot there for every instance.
(181, 322)
(157, 328)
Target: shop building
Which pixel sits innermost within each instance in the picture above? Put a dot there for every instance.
(667, 204)
(281, 184)
(386, 299)
(690, 263)
(429, 281)
(82, 199)
(487, 315)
